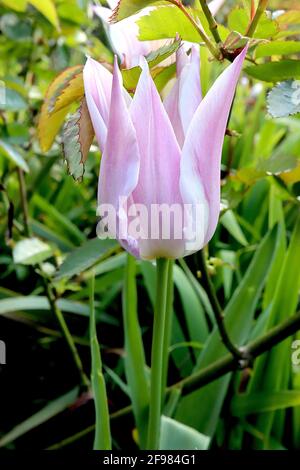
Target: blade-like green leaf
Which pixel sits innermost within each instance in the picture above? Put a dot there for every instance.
(12, 154)
(202, 408)
(271, 372)
(49, 411)
(228, 220)
(261, 402)
(85, 256)
(178, 436)
(102, 431)
(135, 364)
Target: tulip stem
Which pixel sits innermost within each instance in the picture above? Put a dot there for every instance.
(168, 326)
(158, 338)
(212, 48)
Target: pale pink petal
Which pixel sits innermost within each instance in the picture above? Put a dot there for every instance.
(97, 86)
(202, 150)
(120, 162)
(185, 96)
(159, 165)
(103, 13)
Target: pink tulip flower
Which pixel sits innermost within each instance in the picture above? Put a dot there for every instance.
(161, 154)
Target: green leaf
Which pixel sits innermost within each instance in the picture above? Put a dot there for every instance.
(193, 310)
(64, 90)
(102, 431)
(12, 154)
(47, 9)
(32, 302)
(277, 48)
(284, 99)
(271, 371)
(72, 13)
(14, 28)
(31, 251)
(261, 402)
(229, 221)
(127, 8)
(11, 100)
(85, 256)
(57, 219)
(178, 436)
(201, 409)
(291, 17)
(49, 411)
(131, 76)
(109, 264)
(17, 5)
(135, 363)
(275, 71)
(238, 20)
(77, 138)
(166, 22)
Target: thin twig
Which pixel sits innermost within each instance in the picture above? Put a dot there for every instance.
(259, 12)
(24, 204)
(214, 50)
(218, 312)
(254, 349)
(65, 331)
(213, 26)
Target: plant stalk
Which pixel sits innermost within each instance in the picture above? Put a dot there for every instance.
(212, 48)
(156, 390)
(218, 313)
(213, 26)
(261, 8)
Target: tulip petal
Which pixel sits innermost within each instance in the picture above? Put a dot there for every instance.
(97, 85)
(159, 165)
(202, 150)
(185, 96)
(120, 162)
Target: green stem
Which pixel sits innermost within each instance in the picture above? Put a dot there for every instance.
(102, 429)
(24, 204)
(259, 12)
(214, 50)
(218, 312)
(168, 327)
(135, 364)
(66, 332)
(157, 392)
(213, 26)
